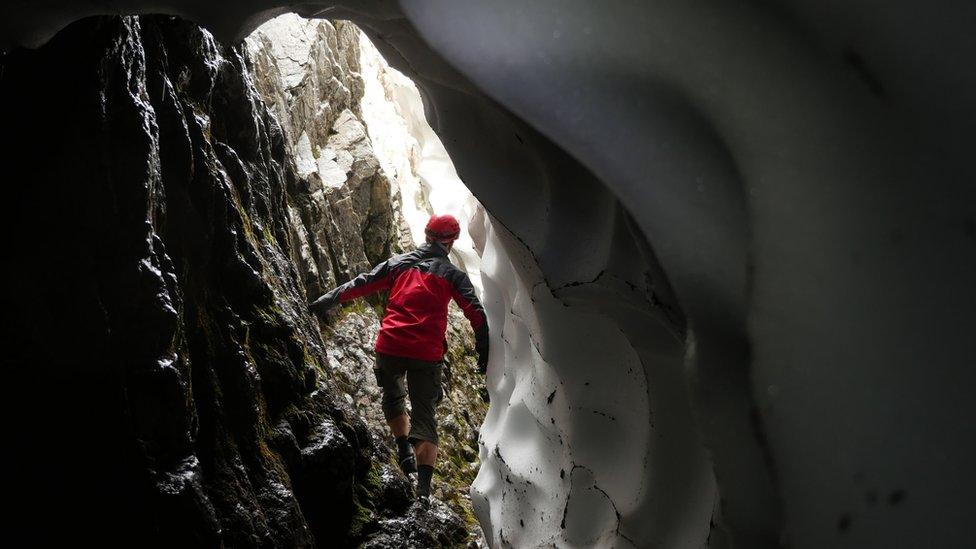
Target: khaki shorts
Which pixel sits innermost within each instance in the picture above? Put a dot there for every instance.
(400, 376)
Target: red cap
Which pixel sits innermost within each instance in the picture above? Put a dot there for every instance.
(443, 228)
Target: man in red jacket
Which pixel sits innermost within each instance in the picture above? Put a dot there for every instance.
(411, 342)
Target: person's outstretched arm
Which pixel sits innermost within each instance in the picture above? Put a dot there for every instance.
(366, 283)
(463, 294)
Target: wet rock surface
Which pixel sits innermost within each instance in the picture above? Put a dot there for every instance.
(177, 392)
(433, 526)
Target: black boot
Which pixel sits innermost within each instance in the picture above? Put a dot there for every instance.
(424, 476)
(405, 456)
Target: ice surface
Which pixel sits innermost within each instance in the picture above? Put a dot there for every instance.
(570, 445)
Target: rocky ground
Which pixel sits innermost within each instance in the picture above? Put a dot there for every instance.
(350, 337)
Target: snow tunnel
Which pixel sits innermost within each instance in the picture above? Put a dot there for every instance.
(727, 256)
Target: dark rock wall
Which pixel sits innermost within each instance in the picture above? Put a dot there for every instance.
(163, 369)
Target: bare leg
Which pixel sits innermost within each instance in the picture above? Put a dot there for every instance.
(426, 452)
(400, 426)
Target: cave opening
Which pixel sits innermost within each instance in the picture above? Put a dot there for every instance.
(242, 181)
(715, 259)
(560, 305)
(225, 186)
(362, 145)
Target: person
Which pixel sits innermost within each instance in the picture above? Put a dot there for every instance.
(411, 341)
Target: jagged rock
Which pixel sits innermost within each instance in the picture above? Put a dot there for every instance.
(396, 493)
(167, 255)
(343, 227)
(437, 526)
(308, 74)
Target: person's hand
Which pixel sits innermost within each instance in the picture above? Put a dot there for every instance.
(324, 309)
(328, 316)
(332, 315)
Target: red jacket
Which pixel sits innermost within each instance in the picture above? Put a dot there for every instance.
(421, 284)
